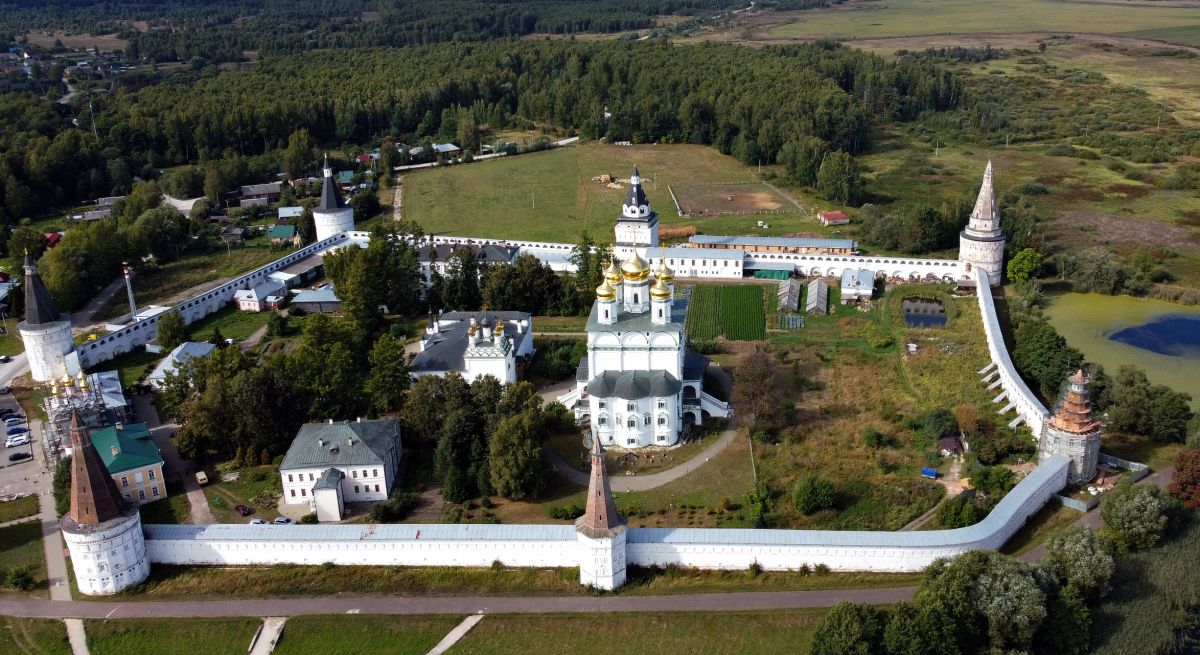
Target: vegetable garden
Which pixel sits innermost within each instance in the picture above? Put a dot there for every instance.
(734, 312)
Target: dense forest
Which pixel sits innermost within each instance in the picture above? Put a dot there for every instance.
(177, 30)
(794, 103)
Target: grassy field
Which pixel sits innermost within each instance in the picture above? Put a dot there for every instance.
(550, 196)
(21, 545)
(233, 324)
(132, 366)
(394, 635)
(18, 509)
(740, 633)
(33, 637)
(1041, 526)
(169, 636)
(1149, 592)
(736, 198)
(257, 488)
(919, 17)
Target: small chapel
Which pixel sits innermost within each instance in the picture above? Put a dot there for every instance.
(639, 384)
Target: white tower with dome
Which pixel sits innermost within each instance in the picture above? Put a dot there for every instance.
(332, 215)
(981, 245)
(637, 227)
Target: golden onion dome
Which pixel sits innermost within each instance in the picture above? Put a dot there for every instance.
(612, 274)
(660, 291)
(635, 268)
(664, 274)
(606, 291)
(67, 381)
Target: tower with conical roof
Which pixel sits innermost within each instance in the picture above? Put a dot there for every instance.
(1072, 431)
(637, 227)
(981, 244)
(332, 215)
(103, 531)
(45, 332)
(600, 531)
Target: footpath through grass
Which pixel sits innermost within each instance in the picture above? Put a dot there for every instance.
(169, 636)
(734, 633)
(33, 637)
(394, 635)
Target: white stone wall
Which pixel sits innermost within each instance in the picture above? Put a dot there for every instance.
(637, 234)
(503, 369)
(329, 224)
(110, 560)
(634, 351)
(1031, 410)
(602, 562)
(194, 308)
(47, 347)
(987, 256)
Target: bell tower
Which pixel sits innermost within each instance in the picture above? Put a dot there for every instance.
(637, 227)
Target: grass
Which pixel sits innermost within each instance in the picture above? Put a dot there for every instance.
(740, 633)
(10, 342)
(132, 367)
(560, 324)
(395, 635)
(915, 17)
(257, 488)
(233, 324)
(174, 509)
(555, 196)
(1149, 592)
(189, 582)
(731, 311)
(18, 509)
(33, 636)
(21, 545)
(1041, 526)
(30, 396)
(176, 636)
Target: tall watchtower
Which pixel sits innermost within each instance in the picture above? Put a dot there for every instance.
(46, 333)
(1073, 432)
(981, 245)
(600, 531)
(332, 215)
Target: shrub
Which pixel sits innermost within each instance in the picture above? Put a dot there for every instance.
(485, 502)
(565, 512)
(874, 438)
(497, 565)
(453, 515)
(755, 569)
(309, 518)
(805, 569)
(813, 494)
(20, 578)
(1136, 517)
(396, 508)
(821, 569)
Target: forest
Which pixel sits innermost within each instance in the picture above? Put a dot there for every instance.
(176, 30)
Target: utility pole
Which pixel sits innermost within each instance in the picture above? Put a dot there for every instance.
(92, 111)
(129, 290)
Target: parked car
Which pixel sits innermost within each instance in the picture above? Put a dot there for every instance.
(242, 509)
(4, 359)
(14, 420)
(5, 411)
(4, 390)
(16, 457)
(18, 440)
(12, 431)
(283, 520)
(257, 522)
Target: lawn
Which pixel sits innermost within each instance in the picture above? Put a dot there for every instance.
(257, 487)
(132, 367)
(555, 199)
(33, 637)
(1048, 521)
(233, 324)
(559, 324)
(21, 545)
(176, 636)
(10, 341)
(18, 509)
(733, 633)
(919, 17)
(394, 635)
(173, 509)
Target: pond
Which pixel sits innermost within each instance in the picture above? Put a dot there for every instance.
(923, 313)
(1160, 337)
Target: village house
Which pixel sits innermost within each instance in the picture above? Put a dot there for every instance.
(175, 359)
(283, 235)
(263, 193)
(833, 218)
(268, 294)
(333, 463)
(132, 460)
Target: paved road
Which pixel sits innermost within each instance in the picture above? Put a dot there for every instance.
(623, 483)
(462, 605)
(161, 432)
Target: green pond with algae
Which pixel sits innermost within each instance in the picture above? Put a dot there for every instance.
(1160, 337)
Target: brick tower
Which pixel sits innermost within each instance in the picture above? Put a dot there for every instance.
(600, 531)
(1073, 432)
(103, 531)
(981, 245)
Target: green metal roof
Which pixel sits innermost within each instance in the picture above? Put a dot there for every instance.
(281, 231)
(126, 447)
(344, 443)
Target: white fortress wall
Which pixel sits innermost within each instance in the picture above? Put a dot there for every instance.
(194, 308)
(556, 545)
(1016, 391)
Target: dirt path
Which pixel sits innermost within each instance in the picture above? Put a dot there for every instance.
(83, 320)
(253, 340)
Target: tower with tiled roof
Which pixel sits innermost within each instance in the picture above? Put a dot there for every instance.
(600, 531)
(45, 332)
(637, 226)
(981, 244)
(332, 215)
(103, 530)
(1072, 431)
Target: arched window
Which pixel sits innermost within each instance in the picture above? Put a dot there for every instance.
(632, 422)
(662, 419)
(660, 312)
(647, 420)
(602, 421)
(635, 299)
(630, 407)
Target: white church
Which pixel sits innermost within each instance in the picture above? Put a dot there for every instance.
(640, 385)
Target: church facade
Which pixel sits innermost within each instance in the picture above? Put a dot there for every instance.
(640, 385)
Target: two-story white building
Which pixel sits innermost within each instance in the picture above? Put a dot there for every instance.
(366, 455)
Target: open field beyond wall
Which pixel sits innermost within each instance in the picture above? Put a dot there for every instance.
(919, 17)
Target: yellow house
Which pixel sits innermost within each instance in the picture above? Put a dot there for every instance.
(132, 460)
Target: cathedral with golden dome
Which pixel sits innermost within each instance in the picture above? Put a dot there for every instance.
(640, 385)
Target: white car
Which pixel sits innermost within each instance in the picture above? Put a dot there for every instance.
(14, 420)
(257, 522)
(18, 440)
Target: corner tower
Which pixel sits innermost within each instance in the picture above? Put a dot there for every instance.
(46, 333)
(332, 216)
(1073, 432)
(600, 531)
(637, 227)
(102, 530)
(981, 245)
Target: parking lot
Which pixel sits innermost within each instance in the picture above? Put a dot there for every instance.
(28, 475)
